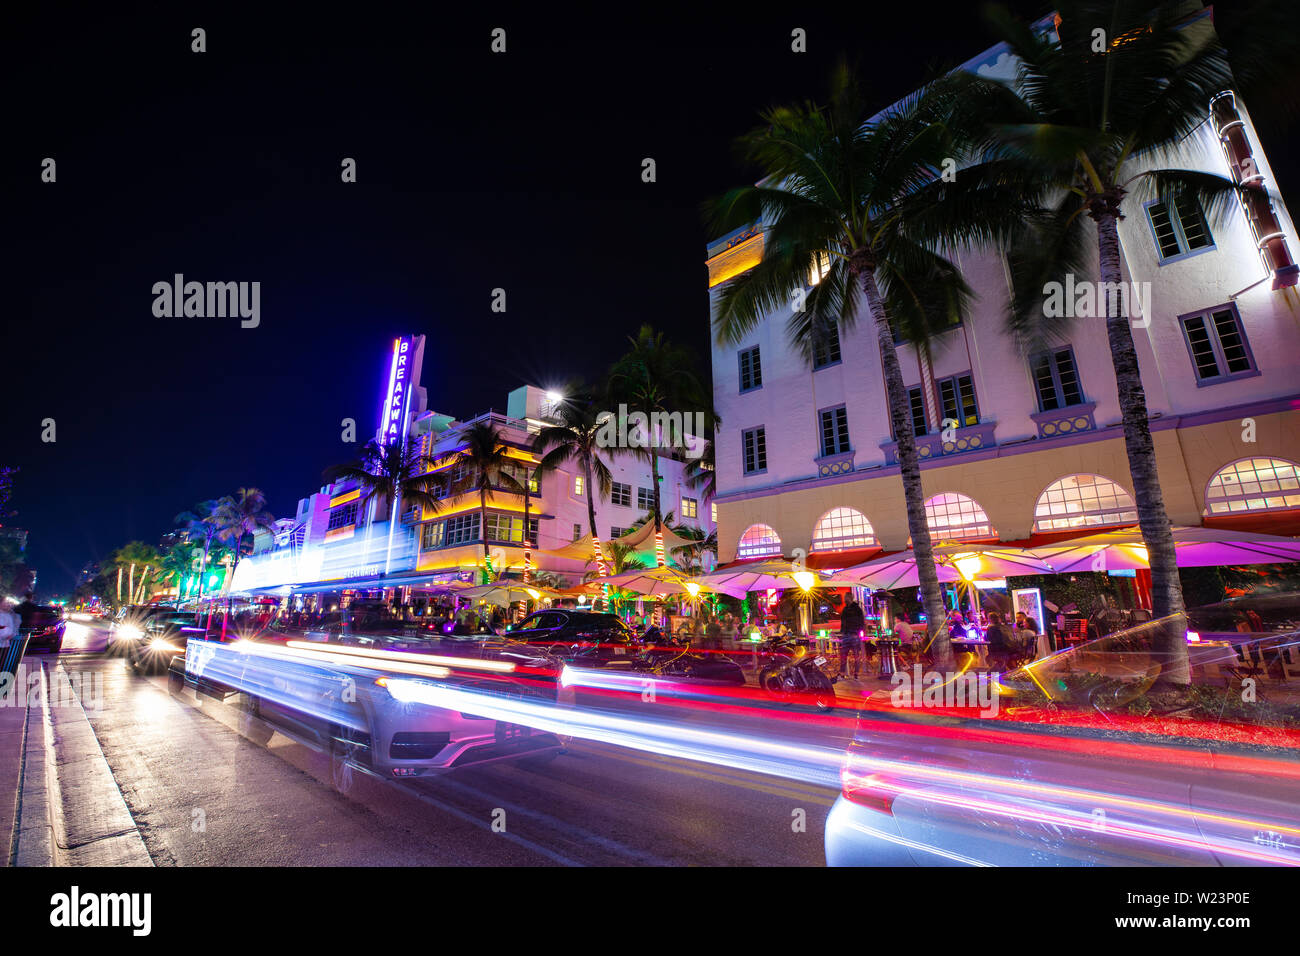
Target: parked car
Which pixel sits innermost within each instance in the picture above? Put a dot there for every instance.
(580, 638)
(164, 636)
(1083, 758)
(44, 626)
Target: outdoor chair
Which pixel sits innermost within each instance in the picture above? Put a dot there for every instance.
(1289, 654)
(1250, 662)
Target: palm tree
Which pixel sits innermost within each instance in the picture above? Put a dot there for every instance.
(650, 516)
(176, 563)
(137, 559)
(859, 196)
(656, 377)
(691, 556)
(485, 465)
(622, 557)
(1097, 128)
(197, 525)
(576, 440)
(239, 515)
(394, 474)
(389, 473)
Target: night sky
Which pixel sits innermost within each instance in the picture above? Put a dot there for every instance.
(475, 171)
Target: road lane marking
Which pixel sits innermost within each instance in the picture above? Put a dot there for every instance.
(691, 768)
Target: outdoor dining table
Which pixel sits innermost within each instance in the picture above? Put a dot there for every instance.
(976, 646)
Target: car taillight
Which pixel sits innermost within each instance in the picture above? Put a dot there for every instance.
(866, 790)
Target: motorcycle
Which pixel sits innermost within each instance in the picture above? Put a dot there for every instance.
(671, 656)
(791, 672)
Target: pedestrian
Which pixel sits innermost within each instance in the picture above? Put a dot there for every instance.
(713, 634)
(853, 622)
(1002, 646)
(10, 642)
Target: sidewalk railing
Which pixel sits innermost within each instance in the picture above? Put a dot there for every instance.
(11, 655)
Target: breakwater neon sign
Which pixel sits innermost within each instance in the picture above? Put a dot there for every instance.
(392, 416)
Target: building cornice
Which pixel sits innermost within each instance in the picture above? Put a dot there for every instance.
(1162, 423)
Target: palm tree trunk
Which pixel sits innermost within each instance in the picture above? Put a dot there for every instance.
(1166, 589)
(598, 603)
(591, 519)
(909, 465)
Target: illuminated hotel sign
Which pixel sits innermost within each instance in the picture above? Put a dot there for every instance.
(402, 380)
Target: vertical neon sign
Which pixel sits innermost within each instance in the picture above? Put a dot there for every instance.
(392, 415)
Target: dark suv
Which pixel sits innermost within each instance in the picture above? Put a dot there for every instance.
(44, 626)
(583, 638)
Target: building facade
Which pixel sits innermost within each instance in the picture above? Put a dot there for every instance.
(1018, 447)
(337, 539)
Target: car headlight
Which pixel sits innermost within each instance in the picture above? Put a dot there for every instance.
(129, 632)
(159, 644)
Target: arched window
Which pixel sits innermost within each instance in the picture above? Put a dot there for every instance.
(1254, 484)
(759, 541)
(954, 517)
(1083, 501)
(841, 529)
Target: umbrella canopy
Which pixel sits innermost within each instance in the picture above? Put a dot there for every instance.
(503, 594)
(654, 582)
(1194, 547)
(953, 562)
(639, 539)
(775, 574)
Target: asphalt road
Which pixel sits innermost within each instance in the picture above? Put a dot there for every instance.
(209, 789)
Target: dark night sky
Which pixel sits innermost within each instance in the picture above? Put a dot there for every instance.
(476, 171)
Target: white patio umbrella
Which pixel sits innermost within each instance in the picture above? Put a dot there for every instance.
(657, 582)
(773, 574)
(503, 595)
(953, 562)
(1194, 547)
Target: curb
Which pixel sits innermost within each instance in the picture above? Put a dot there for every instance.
(35, 842)
(86, 813)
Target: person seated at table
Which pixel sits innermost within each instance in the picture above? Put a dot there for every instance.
(779, 631)
(956, 626)
(1003, 649)
(903, 629)
(1033, 641)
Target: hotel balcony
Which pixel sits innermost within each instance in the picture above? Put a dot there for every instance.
(971, 438)
(829, 465)
(1066, 421)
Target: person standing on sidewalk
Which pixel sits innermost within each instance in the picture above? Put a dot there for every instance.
(11, 643)
(852, 623)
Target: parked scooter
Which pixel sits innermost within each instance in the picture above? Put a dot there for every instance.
(791, 672)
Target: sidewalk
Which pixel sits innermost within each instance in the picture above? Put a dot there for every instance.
(25, 833)
(13, 728)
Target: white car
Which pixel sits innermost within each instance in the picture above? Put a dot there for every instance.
(1096, 777)
(376, 707)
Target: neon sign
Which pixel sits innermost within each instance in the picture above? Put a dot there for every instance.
(392, 415)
